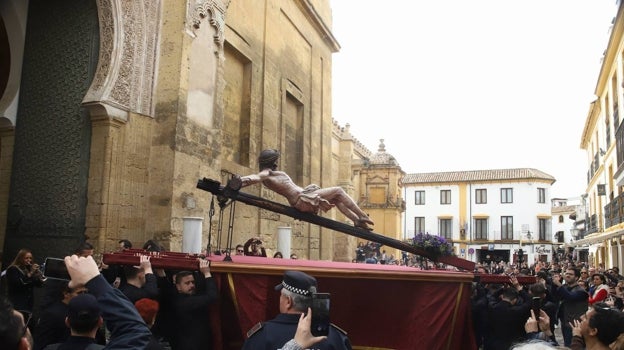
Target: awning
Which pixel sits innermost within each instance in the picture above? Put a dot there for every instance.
(544, 216)
(596, 239)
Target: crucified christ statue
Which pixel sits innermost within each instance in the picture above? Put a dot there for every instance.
(311, 199)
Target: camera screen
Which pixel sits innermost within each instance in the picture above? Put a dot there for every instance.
(55, 269)
(320, 314)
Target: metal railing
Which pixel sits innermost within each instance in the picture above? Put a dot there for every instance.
(614, 211)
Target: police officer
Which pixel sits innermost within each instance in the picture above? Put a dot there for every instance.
(296, 295)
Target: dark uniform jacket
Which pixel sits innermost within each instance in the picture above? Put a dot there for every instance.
(275, 333)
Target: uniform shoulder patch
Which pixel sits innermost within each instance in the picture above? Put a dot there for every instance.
(258, 326)
(339, 329)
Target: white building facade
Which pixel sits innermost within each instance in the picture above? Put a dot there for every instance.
(489, 215)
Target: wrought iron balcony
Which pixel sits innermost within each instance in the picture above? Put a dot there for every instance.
(592, 224)
(614, 211)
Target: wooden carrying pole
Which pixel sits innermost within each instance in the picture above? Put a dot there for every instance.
(215, 188)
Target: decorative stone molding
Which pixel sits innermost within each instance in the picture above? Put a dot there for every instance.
(125, 76)
(199, 9)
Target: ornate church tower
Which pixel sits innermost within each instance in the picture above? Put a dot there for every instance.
(381, 194)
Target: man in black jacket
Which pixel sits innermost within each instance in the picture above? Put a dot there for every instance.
(574, 301)
(189, 309)
(507, 317)
(140, 282)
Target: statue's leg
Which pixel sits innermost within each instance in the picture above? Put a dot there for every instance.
(351, 210)
(346, 205)
(347, 212)
(353, 207)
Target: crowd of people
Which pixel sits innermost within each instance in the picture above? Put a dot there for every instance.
(583, 302)
(68, 316)
(105, 306)
(135, 307)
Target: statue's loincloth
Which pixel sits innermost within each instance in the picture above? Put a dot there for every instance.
(311, 202)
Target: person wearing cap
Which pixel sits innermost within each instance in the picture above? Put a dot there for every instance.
(296, 292)
(86, 312)
(84, 318)
(311, 199)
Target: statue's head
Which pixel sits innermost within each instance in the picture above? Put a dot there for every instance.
(268, 159)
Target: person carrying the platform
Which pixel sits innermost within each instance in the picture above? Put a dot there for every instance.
(187, 309)
(311, 199)
(140, 281)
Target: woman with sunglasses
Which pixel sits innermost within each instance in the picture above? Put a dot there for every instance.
(22, 276)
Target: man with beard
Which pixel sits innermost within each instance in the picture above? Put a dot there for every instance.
(574, 301)
(189, 309)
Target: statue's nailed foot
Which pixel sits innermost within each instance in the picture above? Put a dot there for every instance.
(367, 220)
(363, 224)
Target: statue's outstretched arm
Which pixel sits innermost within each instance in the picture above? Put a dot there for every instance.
(237, 181)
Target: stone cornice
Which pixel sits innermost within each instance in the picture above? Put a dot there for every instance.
(318, 23)
(610, 54)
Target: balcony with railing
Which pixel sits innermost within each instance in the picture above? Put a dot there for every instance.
(614, 211)
(592, 224)
(593, 167)
(619, 148)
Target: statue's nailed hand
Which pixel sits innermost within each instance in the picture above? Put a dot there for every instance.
(235, 183)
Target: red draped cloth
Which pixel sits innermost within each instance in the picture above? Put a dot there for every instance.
(379, 306)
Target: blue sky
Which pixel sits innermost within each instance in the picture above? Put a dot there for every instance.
(471, 85)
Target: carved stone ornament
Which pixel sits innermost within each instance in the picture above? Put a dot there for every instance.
(124, 80)
(197, 10)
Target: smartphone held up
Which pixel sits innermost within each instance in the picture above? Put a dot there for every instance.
(320, 314)
(536, 305)
(54, 268)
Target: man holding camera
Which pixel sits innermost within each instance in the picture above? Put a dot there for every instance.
(296, 295)
(253, 247)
